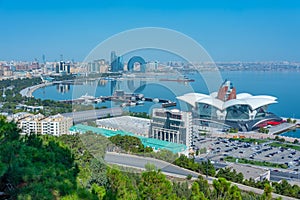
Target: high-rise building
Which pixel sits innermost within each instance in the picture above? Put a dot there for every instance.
(68, 67)
(171, 125)
(113, 56)
(97, 66)
(63, 67)
(117, 65)
(57, 68)
(116, 62)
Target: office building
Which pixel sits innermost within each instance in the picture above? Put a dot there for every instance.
(116, 62)
(63, 67)
(97, 66)
(171, 125)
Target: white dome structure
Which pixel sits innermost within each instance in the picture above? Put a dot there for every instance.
(225, 105)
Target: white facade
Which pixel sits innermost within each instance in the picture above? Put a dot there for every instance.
(211, 106)
(31, 124)
(172, 126)
(54, 125)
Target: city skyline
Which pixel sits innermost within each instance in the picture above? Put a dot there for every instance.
(228, 30)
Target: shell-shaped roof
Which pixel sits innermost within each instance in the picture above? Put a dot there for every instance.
(241, 99)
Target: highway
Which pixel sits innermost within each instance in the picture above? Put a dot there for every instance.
(140, 162)
(169, 169)
(87, 115)
(277, 175)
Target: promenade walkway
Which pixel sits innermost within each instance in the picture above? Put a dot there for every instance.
(280, 128)
(27, 92)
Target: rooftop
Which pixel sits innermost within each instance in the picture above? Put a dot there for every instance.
(56, 118)
(154, 143)
(227, 97)
(136, 125)
(248, 171)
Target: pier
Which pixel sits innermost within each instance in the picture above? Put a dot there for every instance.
(281, 128)
(127, 99)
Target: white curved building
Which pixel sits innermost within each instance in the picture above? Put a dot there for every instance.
(229, 107)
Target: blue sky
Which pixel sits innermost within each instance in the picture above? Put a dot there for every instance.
(230, 30)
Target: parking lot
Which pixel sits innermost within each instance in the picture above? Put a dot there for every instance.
(218, 148)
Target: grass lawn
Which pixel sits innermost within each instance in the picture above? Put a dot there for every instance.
(284, 145)
(255, 162)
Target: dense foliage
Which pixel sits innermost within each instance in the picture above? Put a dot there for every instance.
(140, 115)
(231, 175)
(72, 168)
(129, 143)
(13, 97)
(205, 167)
(35, 167)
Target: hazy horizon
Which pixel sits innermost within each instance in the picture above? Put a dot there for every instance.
(246, 31)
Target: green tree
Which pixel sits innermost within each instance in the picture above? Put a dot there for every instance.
(196, 193)
(98, 173)
(296, 141)
(234, 193)
(128, 143)
(154, 185)
(204, 186)
(189, 177)
(221, 188)
(99, 191)
(181, 190)
(36, 167)
(119, 185)
(267, 195)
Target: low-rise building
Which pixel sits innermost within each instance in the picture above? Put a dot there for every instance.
(18, 116)
(54, 125)
(256, 173)
(31, 124)
(171, 125)
(29, 108)
(135, 125)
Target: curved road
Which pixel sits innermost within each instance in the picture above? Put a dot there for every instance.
(169, 169)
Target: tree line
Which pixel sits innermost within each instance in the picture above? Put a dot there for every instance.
(73, 167)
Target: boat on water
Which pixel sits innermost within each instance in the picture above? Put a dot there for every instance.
(109, 79)
(168, 104)
(86, 96)
(128, 104)
(185, 79)
(140, 103)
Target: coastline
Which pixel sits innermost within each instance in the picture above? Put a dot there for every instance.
(27, 92)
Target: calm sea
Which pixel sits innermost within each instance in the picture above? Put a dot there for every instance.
(283, 85)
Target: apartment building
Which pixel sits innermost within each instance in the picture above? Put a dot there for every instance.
(54, 125)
